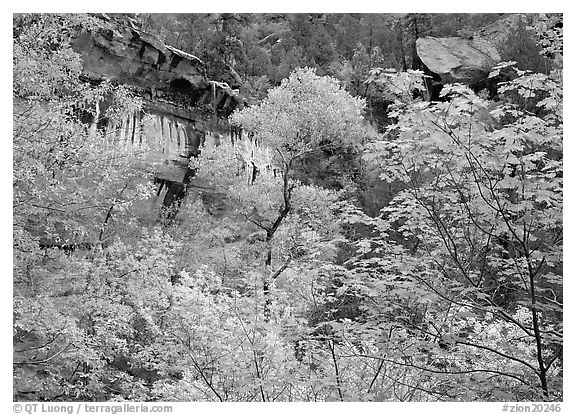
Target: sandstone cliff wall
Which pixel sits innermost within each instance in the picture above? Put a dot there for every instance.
(182, 107)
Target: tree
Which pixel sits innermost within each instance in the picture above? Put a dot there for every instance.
(305, 116)
(65, 168)
(292, 236)
(308, 116)
(71, 183)
(521, 47)
(468, 259)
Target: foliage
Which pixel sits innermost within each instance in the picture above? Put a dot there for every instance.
(522, 48)
(273, 45)
(65, 170)
(476, 235)
(71, 184)
(272, 283)
(548, 29)
(309, 120)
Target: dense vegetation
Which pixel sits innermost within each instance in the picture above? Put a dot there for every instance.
(417, 261)
(255, 52)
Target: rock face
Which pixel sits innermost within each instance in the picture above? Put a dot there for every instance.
(458, 60)
(127, 55)
(182, 108)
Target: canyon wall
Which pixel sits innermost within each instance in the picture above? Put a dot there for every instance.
(182, 107)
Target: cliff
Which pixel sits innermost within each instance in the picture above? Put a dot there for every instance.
(185, 107)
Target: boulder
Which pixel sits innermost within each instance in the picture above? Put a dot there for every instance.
(458, 60)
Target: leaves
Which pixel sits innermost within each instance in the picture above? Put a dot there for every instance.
(478, 201)
(273, 283)
(304, 114)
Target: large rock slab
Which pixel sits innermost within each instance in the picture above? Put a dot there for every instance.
(458, 60)
(114, 50)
